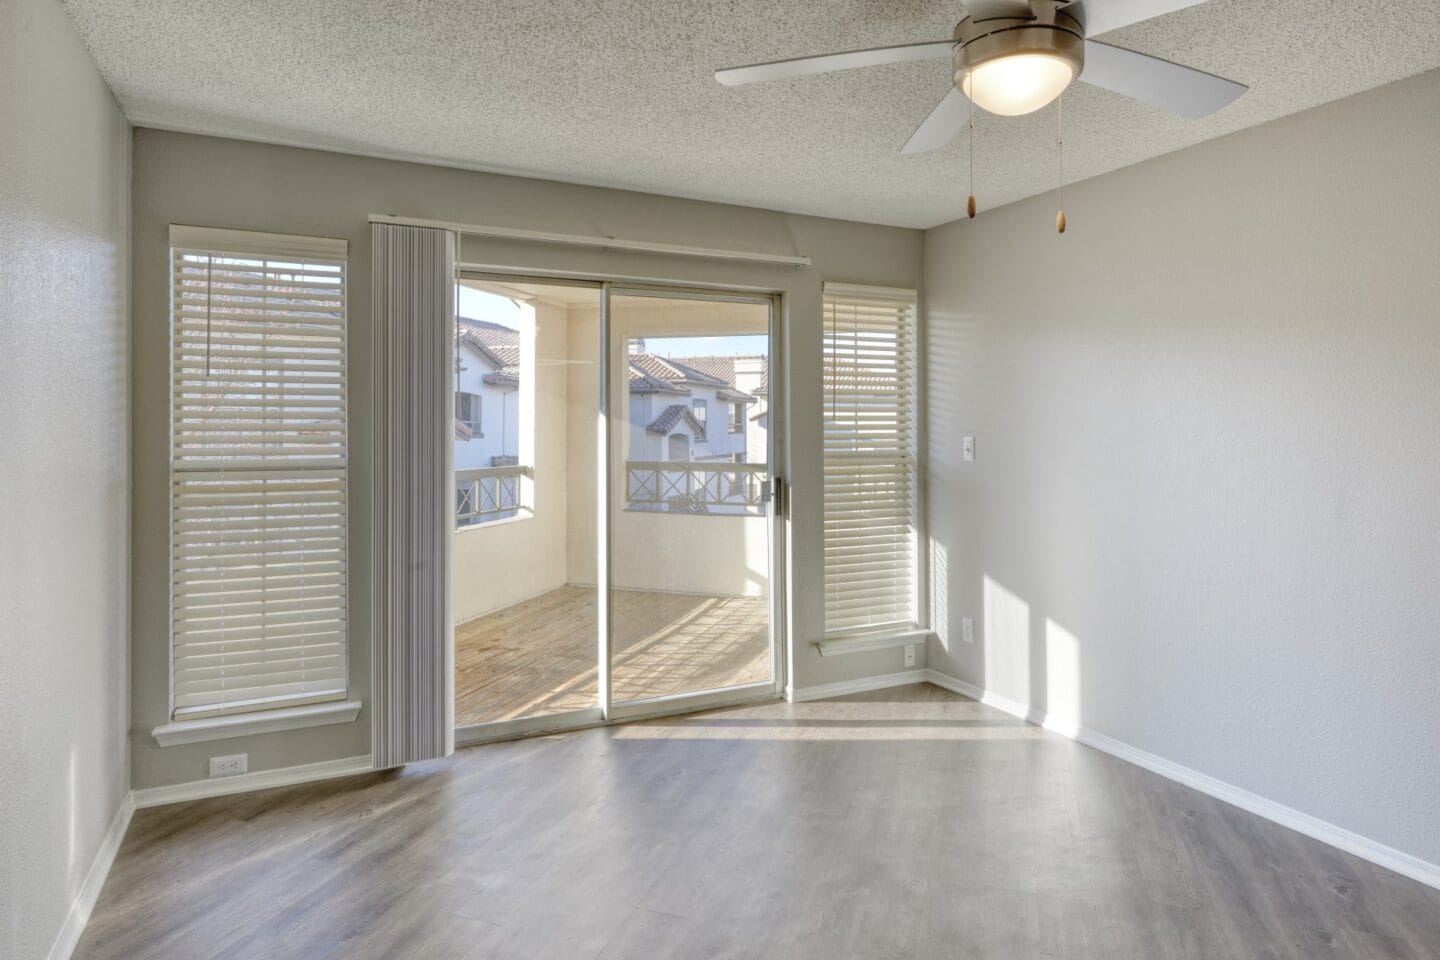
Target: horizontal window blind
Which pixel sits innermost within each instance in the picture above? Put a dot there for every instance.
(258, 471)
(870, 446)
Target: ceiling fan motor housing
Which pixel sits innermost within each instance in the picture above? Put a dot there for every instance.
(1050, 33)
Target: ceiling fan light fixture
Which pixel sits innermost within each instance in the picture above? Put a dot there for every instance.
(1012, 67)
(1018, 84)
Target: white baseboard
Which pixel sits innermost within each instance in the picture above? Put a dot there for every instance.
(79, 913)
(245, 782)
(822, 691)
(1351, 842)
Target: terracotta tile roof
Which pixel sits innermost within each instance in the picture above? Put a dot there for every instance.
(717, 368)
(502, 342)
(723, 368)
(672, 415)
(642, 382)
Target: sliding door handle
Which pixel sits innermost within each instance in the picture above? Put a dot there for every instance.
(774, 492)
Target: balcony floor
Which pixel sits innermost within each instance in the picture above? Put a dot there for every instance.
(538, 656)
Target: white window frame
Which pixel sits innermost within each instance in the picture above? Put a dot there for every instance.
(476, 424)
(255, 455)
(849, 624)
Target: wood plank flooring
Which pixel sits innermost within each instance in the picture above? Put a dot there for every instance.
(903, 823)
(538, 656)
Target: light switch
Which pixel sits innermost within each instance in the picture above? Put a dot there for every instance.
(968, 448)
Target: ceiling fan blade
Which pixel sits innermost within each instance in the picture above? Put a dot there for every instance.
(826, 62)
(947, 119)
(1102, 16)
(1183, 90)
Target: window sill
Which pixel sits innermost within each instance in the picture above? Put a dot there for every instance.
(838, 646)
(261, 721)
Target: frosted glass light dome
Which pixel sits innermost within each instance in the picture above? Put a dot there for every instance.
(1018, 83)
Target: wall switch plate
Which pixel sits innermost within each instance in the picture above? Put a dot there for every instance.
(968, 448)
(967, 630)
(909, 654)
(235, 763)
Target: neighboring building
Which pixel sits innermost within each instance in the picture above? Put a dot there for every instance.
(487, 395)
(687, 409)
(748, 374)
(700, 410)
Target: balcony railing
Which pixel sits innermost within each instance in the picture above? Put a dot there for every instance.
(491, 493)
(720, 489)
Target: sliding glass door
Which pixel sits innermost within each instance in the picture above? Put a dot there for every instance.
(690, 500)
(526, 599)
(614, 520)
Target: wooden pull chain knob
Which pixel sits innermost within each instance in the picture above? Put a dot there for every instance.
(970, 207)
(1060, 222)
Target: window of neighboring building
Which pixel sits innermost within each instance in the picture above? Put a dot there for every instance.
(737, 418)
(467, 411)
(872, 534)
(699, 408)
(258, 473)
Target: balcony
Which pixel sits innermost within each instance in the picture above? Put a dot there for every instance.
(486, 494)
(722, 488)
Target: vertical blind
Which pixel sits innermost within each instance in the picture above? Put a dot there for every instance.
(871, 495)
(257, 471)
(412, 643)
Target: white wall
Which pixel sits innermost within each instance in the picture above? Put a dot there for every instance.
(1204, 517)
(64, 469)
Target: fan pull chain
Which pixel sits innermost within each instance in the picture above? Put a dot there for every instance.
(1060, 150)
(970, 204)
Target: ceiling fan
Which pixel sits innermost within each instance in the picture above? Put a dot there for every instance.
(1012, 57)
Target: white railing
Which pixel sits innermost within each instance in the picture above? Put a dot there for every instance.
(720, 489)
(491, 493)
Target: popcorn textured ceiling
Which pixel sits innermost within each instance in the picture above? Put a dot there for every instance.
(619, 92)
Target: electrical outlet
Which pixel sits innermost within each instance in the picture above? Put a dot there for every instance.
(909, 654)
(229, 766)
(967, 630)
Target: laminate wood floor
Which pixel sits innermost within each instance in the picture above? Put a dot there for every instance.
(903, 823)
(538, 656)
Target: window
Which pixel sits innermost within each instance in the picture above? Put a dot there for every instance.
(737, 418)
(467, 411)
(870, 446)
(700, 408)
(257, 471)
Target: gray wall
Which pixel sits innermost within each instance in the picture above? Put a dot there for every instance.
(64, 469)
(1207, 485)
(224, 183)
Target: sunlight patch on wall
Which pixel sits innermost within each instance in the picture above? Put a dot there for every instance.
(940, 592)
(1062, 679)
(1007, 643)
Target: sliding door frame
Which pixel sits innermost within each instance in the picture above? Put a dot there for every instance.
(741, 693)
(606, 711)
